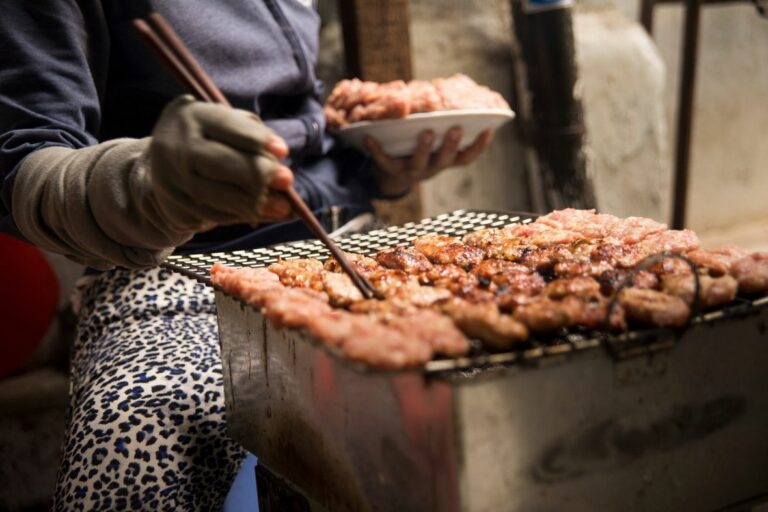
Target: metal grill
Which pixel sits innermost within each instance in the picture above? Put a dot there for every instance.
(457, 223)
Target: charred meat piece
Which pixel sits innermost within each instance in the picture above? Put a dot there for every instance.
(510, 301)
(362, 264)
(580, 267)
(293, 307)
(249, 284)
(591, 312)
(451, 277)
(335, 326)
(717, 262)
(340, 289)
(396, 284)
(542, 315)
(633, 229)
(611, 280)
(447, 249)
(484, 238)
(527, 284)
(510, 250)
(389, 281)
(543, 259)
(751, 272)
(425, 296)
(713, 291)
(653, 308)
(434, 329)
(585, 222)
(484, 321)
(576, 286)
(383, 309)
(303, 273)
(407, 259)
(383, 346)
(499, 272)
(674, 241)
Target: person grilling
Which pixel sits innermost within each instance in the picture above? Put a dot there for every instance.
(105, 160)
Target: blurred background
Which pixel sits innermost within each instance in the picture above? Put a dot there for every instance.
(596, 93)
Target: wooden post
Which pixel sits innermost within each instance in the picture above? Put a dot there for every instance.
(377, 47)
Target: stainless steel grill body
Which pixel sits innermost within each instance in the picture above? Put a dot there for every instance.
(649, 421)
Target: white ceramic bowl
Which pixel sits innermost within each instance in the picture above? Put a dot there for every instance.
(398, 137)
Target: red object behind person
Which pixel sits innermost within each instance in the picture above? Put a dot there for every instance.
(29, 296)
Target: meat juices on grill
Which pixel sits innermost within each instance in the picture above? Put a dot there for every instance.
(484, 321)
(752, 272)
(653, 308)
(447, 249)
(713, 291)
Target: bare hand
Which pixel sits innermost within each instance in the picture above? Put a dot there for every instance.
(396, 176)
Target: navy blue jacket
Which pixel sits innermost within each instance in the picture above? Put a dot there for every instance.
(73, 73)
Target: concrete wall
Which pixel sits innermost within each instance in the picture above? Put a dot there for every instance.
(729, 159)
(472, 37)
(621, 85)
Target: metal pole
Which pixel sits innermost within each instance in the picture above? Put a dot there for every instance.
(545, 32)
(646, 14)
(685, 111)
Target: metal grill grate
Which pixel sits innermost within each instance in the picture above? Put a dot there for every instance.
(457, 223)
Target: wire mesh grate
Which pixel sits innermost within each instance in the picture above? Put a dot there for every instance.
(457, 223)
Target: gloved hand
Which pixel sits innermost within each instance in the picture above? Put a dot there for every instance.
(130, 202)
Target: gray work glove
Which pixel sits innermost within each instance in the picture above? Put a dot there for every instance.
(129, 202)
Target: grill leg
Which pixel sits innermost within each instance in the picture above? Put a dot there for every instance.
(276, 495)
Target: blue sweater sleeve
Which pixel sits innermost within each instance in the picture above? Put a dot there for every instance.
(48, 96)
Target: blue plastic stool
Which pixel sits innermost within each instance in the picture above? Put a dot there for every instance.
(242, 496)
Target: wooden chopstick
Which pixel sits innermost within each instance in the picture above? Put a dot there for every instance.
(187, 59)
(173, 63)
(173, 52)
(301, 208)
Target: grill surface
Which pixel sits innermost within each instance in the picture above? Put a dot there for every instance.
(459, 223)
